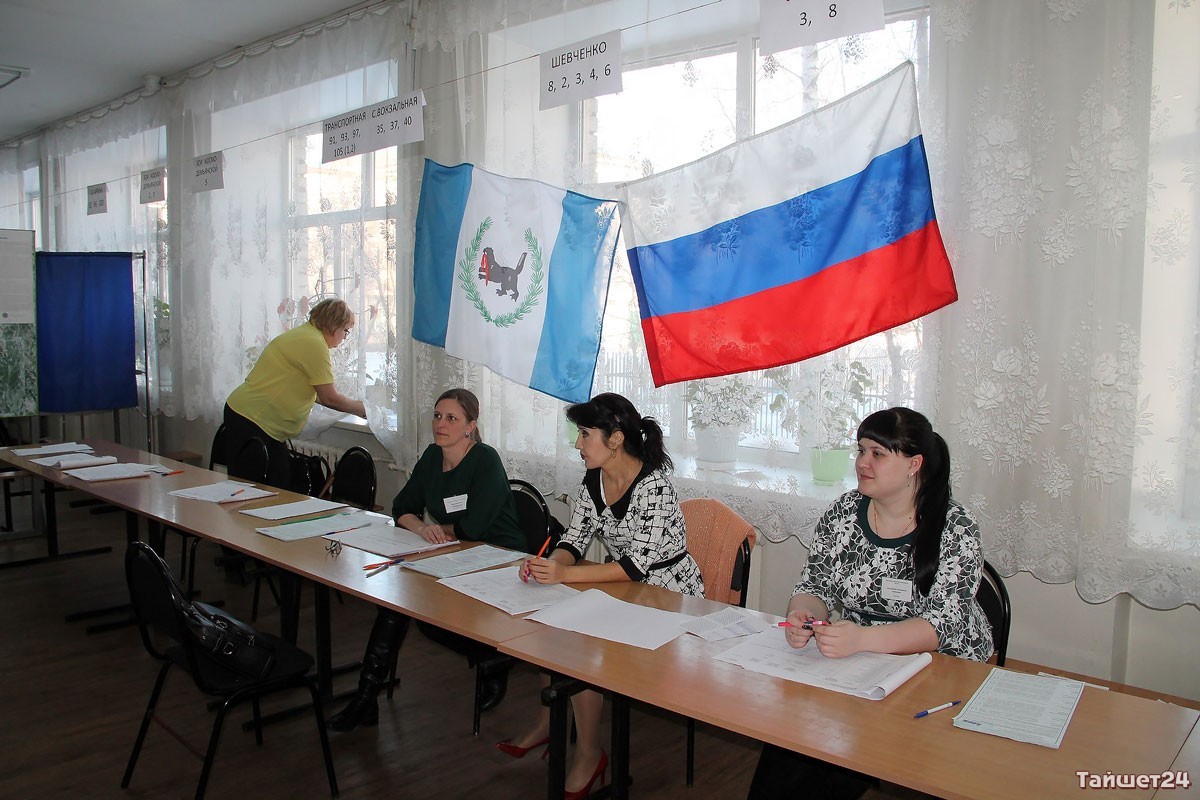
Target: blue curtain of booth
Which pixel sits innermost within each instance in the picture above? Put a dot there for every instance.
(85, 329)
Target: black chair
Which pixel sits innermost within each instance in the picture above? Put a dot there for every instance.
(187, 553)
(354, 480)
(252, 462)
(162, 611)
(993, 598)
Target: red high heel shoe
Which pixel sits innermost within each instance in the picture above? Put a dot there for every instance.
(516, 751)
(601, 773)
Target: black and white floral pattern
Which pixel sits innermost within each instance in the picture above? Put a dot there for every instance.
(848, 562)
(643, 531)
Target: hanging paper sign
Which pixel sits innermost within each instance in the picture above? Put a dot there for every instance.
(585, 69)
(154, 186)
(208, 172)
(97, 199)
(784, 24)
(392, 122)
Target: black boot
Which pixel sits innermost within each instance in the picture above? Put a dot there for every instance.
(493, 689)
(363, 709)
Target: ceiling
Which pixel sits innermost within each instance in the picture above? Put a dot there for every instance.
(83, 53)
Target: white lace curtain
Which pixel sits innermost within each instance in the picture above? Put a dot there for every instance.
(1065, 158)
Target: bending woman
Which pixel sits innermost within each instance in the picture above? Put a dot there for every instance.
(628, 501)
(292, 373)
(900, 561)
(460, 483)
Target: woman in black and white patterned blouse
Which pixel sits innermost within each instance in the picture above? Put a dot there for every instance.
(626, 499)
(899, 562)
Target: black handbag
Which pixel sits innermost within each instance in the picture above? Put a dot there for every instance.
(229, 642)
(309, 473)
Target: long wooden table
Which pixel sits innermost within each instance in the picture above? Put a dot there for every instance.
(1110, 731)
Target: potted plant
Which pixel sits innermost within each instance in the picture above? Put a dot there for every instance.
(822, 407)
(720, 409)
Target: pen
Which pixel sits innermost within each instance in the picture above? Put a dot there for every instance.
(936, 709)
(173, 472)
(239, 491)
(809, 624)
(378, 564)
(540, 553)
(378, 570)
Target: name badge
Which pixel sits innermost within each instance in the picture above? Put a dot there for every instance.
(897, 589)
(459, 503)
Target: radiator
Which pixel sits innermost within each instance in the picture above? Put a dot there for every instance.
(330, 453)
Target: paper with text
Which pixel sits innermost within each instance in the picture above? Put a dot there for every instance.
(224, 492)
(1025, 708)
(74, 460)
(727, 624)
(598, 614)
(321, 526)
(385, 539)
(504, 589)
(483, 557)
(870, 675)
(110, 472)
(298, 509)
(51, 449)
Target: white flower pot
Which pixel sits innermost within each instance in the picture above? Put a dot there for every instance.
(716, 447)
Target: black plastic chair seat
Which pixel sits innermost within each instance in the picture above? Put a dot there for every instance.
(290, 664)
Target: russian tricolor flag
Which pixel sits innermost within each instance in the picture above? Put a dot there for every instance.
(801, 240)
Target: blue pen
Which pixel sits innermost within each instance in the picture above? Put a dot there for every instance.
(936, 709)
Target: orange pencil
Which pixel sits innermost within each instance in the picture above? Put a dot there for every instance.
(540, 553)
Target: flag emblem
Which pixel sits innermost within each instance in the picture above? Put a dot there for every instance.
(506, 279)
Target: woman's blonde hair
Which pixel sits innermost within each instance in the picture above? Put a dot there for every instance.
(331, 315)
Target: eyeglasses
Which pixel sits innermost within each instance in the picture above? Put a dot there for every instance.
(334, 549)
(347, 330)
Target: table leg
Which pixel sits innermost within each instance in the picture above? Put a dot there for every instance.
(324, 641)
(557, 696)
(45, 523)
(289, 606)
(620, 747)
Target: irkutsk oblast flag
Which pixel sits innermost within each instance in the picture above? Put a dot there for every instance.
(513, 274)
(800, 240)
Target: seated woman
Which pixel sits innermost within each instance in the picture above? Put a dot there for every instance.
(461, 484)
(901, 562)
(628, 501)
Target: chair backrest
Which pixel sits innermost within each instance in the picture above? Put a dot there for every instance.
(251, 462)
(354, 479)
(721, 542)
(153, 596)
(217, 454)
(533, 515)
(993, 598)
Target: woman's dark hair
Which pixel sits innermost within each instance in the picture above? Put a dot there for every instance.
(610, 413)
(470, 406)
(902, 430)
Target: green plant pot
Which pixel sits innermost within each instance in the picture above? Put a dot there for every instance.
(829, 467)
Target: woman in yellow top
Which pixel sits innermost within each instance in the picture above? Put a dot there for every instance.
(292, 373)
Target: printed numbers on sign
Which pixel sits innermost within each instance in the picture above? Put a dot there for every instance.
(348, 150)
(804, 20)
(580, 78)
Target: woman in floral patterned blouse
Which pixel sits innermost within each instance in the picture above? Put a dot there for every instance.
(899, 562)
(626, 499)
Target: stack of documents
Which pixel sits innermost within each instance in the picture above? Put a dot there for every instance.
(385, 539)
(1026, 708)
(482, 557)
(727, 623)
(321, 526)
(596, 613)
(298, 509)
(224, 492)
(870, 675)
(111, 472)
(53, 449)
(504, 589)
(74, 460)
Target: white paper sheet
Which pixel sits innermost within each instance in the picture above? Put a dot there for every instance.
(74, 460)
(110, 472)
(603, 616)
(383, 538)
(504, 589)
(446, 566)
(321, 526)
(727, 624)
(51, 449)
(870, 675)
(298, 509)
(1025, 708)
(224, 492)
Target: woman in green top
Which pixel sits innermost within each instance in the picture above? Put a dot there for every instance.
(459, 483)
